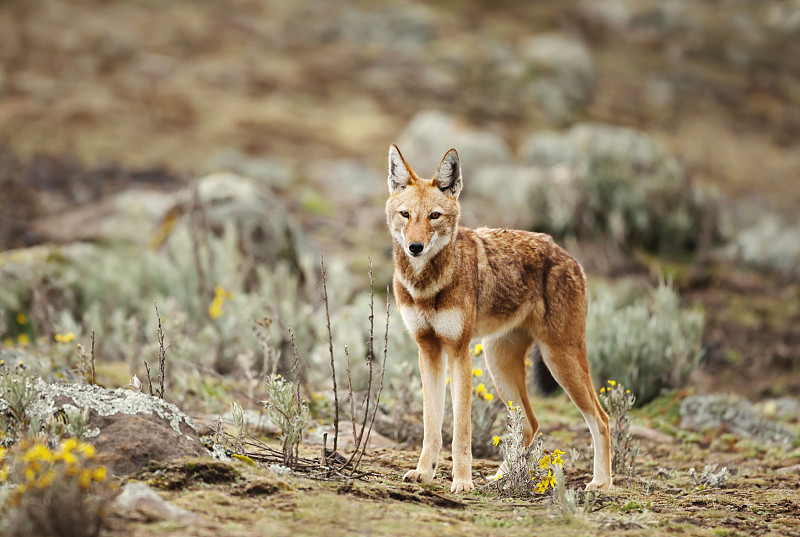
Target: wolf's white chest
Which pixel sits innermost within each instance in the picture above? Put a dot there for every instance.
(446, 323)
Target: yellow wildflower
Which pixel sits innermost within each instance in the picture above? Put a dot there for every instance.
(3, 473)
(481, 388)
(603, 390)
(22, 318)
(528, 362)
(447, 381)
(38, 452)
(3, 452)
(215, 308)
(220, 292)
(477, 350)
(85, 478)
(627, 391)
(495, 440)
(477, 372)
(510, 404)
(64, 338)
(544, 462)
(69, 444)
(540, 488)
(557, 458)
(549, 481)
(488, 397)
(30, 475)
(612, 382)
(99, 474)
(23, 340)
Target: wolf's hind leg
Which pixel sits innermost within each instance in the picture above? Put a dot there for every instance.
(570, 368)
(505, 359)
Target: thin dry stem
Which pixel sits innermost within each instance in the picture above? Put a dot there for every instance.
(350, 391)
(330, 348)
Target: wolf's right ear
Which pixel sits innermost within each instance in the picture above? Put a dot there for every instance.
(399, 173)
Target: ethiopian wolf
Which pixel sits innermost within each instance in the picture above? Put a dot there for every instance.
(512, 288)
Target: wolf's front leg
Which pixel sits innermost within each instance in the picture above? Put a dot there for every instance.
(461, 393)
(432, 370)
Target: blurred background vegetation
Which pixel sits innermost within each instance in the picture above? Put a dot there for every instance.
(202, 154)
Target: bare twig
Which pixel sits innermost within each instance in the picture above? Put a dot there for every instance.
(162, 355)
(92, 356)
(350, 392)
(330, 348)
(380, 385)
(149, 380)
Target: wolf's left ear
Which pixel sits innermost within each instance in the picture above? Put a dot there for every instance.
(399, 174)
(448, 174)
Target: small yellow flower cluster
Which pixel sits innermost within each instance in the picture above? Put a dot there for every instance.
(22, 318)
(37, 466)
(64, 338)
(482, 392)
(477, 349)
(549, 462)
(477, 371)
(220, 295)
(23, 340)
(611, 383)
(496, 440)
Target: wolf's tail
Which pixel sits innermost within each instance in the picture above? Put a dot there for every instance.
(545, 382)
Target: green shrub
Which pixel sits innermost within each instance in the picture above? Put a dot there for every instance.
(650, 344)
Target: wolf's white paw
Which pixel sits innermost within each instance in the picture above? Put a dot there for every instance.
(462, 486)
(415, 476)
(599, 485)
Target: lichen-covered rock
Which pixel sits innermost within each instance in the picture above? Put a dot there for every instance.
(127, 428)
(702, 412)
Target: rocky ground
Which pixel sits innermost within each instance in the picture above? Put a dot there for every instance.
(761, 497)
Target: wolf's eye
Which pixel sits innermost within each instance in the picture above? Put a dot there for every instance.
(404, 214)
(435, 215)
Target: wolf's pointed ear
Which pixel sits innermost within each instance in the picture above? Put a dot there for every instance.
(399, 174)
(448, 174)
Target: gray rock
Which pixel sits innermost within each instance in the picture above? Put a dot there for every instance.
(701, 412)
(127, 428)
(129, 217)
(253, 208)
(138, 497)
(430, 134)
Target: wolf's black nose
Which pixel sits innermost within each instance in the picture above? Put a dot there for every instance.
(416, 248)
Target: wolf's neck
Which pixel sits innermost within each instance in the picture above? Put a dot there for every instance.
(431, 277)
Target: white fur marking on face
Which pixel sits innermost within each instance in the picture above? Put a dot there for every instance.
(448, 323)
(414, 322)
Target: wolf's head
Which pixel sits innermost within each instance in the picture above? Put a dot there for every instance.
(423, 213)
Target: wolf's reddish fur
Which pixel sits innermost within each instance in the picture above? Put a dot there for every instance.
(512, 288)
